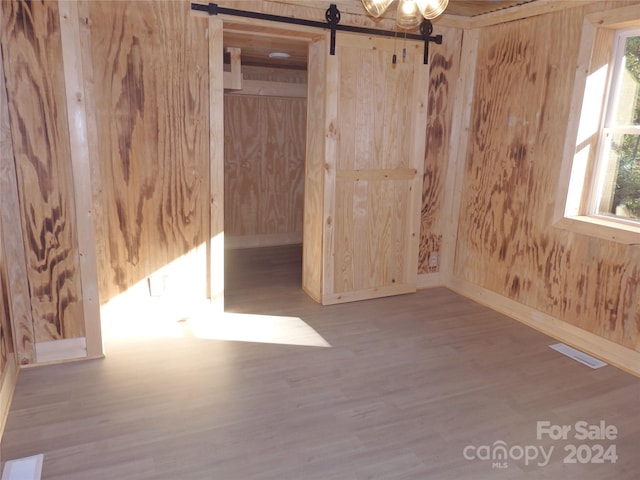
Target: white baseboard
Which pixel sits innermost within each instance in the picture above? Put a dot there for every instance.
(622, 357)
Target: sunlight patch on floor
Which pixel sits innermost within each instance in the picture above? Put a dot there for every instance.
(247, 327)
(165, 318)
(137, 316)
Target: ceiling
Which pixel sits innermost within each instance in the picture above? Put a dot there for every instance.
(256, 49)
(471, 8)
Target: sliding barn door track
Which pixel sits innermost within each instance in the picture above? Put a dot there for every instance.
(332, 16)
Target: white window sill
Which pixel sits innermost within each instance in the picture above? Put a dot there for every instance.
(601, 228)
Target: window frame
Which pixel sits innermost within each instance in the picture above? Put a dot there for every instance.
(576, 188)
(612, 97)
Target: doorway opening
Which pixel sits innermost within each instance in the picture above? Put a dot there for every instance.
(264, 165)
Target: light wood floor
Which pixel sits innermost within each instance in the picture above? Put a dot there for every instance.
(406, 385)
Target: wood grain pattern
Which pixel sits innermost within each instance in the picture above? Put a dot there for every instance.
(150, 71)
(6, 334)
(505, 241)
(330, 137)
(459, 144)
(12, 242)
(256, 49)
(618, 18)
(272, 82)
(233, 75)
(215, 272)
(313, 214)
(472, 8)
(35, 80)
(378, 106)
(80, 145)
(97, 208)
(417, 153)
(444, 70)
(7, 192)
(8, 381)
(264, 164)
(266, 74)
(352, 14)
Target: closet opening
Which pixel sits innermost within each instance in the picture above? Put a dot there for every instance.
(265, 112)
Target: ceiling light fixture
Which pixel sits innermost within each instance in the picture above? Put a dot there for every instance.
(281, 55)
(410, 12)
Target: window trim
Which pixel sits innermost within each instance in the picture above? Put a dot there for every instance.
(579, 157)
(611, 99)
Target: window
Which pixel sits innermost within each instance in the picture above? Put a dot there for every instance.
(616, 190)
(599, 182)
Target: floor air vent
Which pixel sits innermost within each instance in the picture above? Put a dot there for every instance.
(27, 468)
(577, 355)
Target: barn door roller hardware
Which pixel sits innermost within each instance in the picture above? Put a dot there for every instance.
(332, 16)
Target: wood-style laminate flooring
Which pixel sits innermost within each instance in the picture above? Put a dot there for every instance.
(406, 385)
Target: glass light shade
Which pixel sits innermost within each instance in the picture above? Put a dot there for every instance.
(430, 9)
(408, 15)
(375, 8)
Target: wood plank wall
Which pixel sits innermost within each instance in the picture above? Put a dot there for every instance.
(372, 221)
(150, 75)
(506, 241)
(444, 61)
(6, 317)
(265, 141)
(6, 335)
(12, 241)
(8, 364)
(37, 106)
(16, 321)
(315, 170)
(149, 103)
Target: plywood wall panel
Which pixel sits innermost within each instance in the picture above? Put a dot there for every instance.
(506, 240)
(12, 241)
(6, 334)
(264, 165)
(8, 369)
(37, 105)
(8, 198)
(284, 178)
(150, 70)
(6, 337)
(444, 70)
(243, 158)
(265, 74)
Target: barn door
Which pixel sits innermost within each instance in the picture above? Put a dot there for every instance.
(375, 125)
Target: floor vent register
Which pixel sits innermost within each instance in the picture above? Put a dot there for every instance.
(577, 355)
(27, 468)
